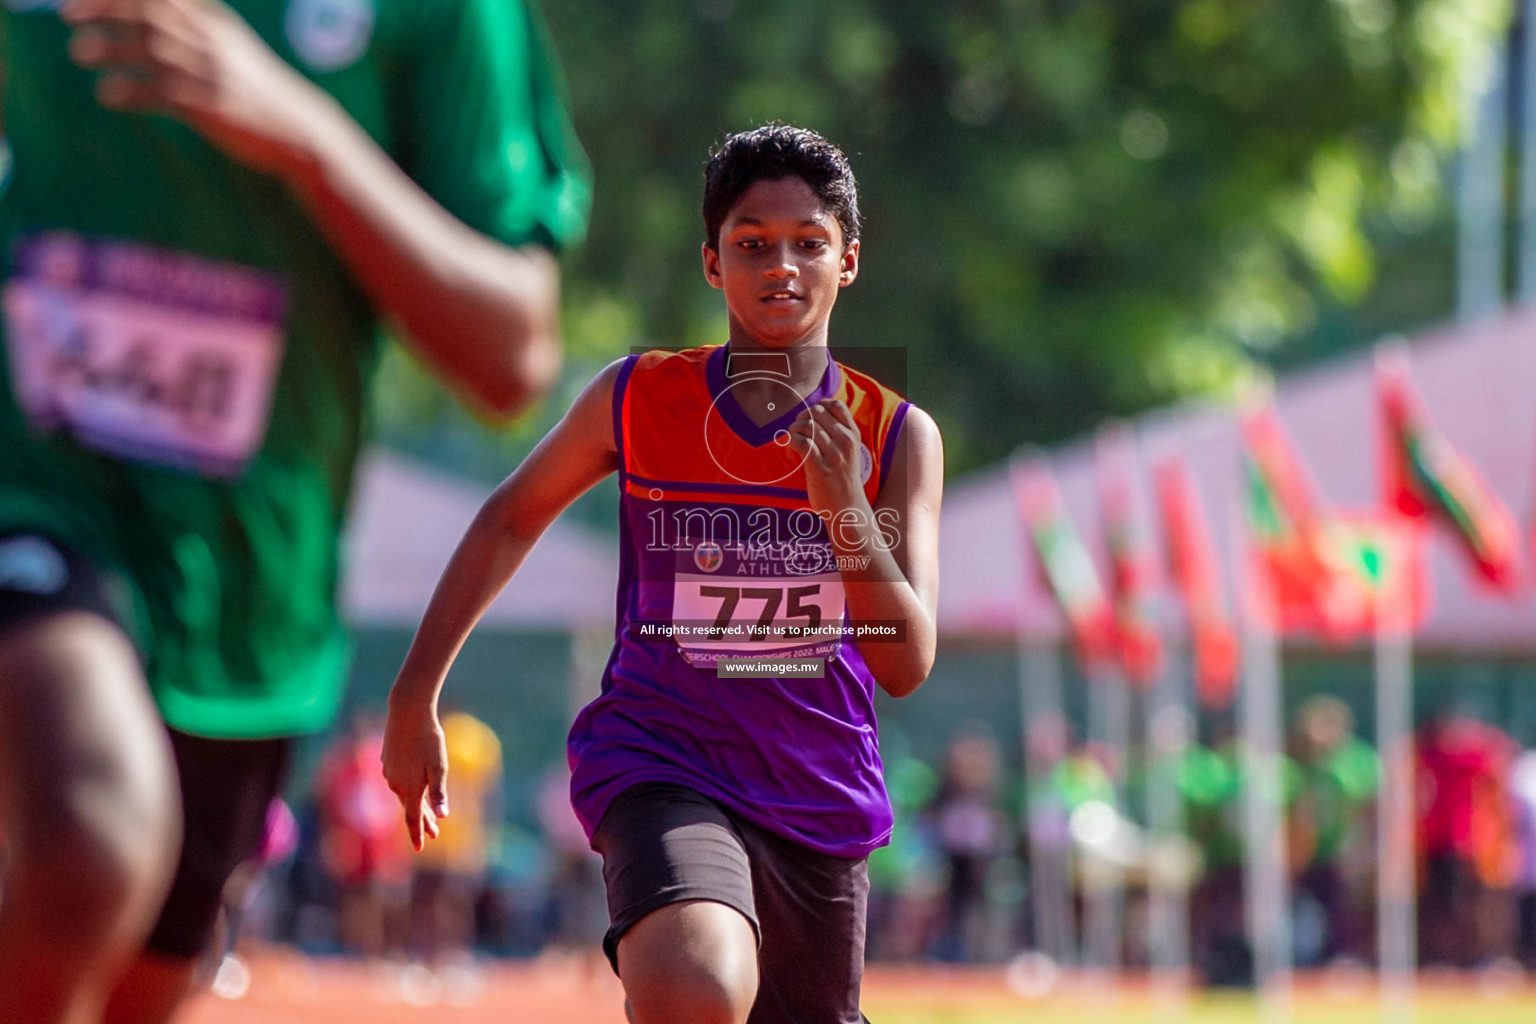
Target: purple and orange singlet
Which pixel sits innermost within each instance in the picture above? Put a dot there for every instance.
(721, 556)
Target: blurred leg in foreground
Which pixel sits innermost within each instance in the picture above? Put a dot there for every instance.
(88, 806)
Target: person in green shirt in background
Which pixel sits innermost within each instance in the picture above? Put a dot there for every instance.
(905, 875)
(211, 209)
(1330, 827)
(1213, 780)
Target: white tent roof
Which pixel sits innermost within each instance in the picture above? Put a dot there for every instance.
(406, 523)
(1478, 384)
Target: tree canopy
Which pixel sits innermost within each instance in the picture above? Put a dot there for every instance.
(1075, 208)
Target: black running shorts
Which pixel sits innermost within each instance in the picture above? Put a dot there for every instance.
(664, 844)
(226, 787)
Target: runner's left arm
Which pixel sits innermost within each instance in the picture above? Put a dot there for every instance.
(483, 313)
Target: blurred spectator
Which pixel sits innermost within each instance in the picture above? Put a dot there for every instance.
(906, 876)
(248, 902)
(1080, 777)
(577, 900)
(1208, 784)
(1047, 839)
(1328, 831)
(247, 899)
(451, 868)
(1522, 785)
(970, 830)
(362, 842)
(1213, 783)
(1466, 841)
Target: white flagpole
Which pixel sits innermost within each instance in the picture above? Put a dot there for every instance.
(1396, 916)
(1266, 884)
(1050, 849)
(1480, 186)
(1109, 727)
(1168, 724)
(1525, 288)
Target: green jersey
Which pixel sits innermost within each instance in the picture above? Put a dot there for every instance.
(187, 363)
(1337, 791)
(1213, 784)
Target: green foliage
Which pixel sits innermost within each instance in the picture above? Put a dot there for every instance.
(1076, 208)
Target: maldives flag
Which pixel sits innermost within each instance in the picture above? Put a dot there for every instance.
(1281, 502)
(1426, 477)
(1133, 566)
(1379, 554)
(1194, 567)
(1068, 569)
(1295, 586)
(1315, 571)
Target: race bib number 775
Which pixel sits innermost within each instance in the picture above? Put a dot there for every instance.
(143, 353)
(797, 616)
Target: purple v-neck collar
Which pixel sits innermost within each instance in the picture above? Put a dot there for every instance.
(736, 417)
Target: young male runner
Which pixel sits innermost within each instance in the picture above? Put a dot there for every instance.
(209, 209)
(769, 495)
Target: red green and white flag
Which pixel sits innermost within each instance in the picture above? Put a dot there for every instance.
(1427, 478)
(1292, 587)
(1068, 568)
(1316, 571)
(1196, 575)
(1132, 565)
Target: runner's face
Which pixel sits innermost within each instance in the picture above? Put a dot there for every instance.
(781, 262)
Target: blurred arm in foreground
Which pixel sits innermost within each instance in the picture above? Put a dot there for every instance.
(484, 314)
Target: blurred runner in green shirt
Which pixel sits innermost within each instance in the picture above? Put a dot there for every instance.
(209, 210)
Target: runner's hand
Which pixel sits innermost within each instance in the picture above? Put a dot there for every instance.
(829, 438)
(415, 760)
(198, 61)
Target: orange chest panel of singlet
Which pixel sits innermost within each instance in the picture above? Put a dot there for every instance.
(685, 436)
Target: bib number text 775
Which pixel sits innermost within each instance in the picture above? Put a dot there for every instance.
(772, 598)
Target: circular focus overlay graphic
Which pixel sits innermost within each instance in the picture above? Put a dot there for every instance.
(754, 468)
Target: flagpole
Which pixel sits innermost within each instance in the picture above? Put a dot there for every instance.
(1206, 658)
(1525, 287)
(1050, 851)
(1168, 727)
(1108, 727)
(1480, 186)
(1396, 919)
(1266, 886)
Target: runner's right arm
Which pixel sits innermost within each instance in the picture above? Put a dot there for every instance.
(577, 454)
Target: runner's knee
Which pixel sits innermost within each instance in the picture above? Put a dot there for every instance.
(82, 880)
(694, 962)
(90, 802)
(690, 991)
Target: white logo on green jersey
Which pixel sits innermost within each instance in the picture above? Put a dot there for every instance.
(329, 35)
